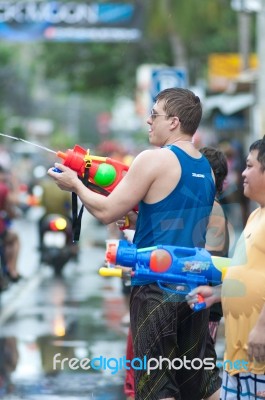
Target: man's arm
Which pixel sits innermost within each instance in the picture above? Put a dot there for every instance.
(131, 189)
(256, 339)
(216, 230)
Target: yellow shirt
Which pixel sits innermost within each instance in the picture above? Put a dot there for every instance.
(243, 294)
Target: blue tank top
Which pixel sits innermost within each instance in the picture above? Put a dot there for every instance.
(181, 218)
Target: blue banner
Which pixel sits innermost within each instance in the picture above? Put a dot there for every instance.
(69, 21)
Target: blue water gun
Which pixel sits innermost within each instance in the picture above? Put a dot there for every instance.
(167, 265)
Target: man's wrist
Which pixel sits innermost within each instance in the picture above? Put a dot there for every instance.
(217, 293)
(78, 187)
(261, 319)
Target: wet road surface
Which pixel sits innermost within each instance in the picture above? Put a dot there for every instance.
(44, 320)
(76, 317)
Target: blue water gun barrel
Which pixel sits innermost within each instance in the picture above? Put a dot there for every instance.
(169, 260)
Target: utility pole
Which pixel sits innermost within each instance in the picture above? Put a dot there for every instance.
(261, 70)
(257, 129)
(244, 38)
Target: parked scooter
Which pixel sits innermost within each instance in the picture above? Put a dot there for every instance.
(56, 245)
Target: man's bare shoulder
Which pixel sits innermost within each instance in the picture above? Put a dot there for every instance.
(153, 155)
(159, 168)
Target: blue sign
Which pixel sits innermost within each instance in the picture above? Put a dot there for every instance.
(164, 78)
(229, 122)
(29, 20)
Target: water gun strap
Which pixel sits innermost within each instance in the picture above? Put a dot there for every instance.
(77, 217)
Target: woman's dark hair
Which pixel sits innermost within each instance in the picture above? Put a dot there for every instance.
(218, 162)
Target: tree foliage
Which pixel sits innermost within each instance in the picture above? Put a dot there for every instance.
(15, 96)
(174, 32)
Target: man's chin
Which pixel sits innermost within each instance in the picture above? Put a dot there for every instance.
(246, 194)
(151, 141)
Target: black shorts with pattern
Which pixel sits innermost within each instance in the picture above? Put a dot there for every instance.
(163, 324)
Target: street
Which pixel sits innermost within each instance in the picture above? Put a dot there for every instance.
(45, 322)
(76, 316)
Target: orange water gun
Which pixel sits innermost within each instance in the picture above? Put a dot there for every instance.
(103, 172)
(100, 174)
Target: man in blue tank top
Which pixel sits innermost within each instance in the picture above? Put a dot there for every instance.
(175, 190)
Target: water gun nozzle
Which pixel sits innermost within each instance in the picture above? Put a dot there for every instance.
(61, 154)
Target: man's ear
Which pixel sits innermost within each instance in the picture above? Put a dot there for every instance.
(175, 122)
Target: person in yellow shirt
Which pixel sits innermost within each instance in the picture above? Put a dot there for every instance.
(54, 200)
(243, 294)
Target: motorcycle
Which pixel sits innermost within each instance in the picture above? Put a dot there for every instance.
(56, 245)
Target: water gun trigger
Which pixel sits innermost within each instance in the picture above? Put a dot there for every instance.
(126, 224)
(181, 288)
(200, 305)
(57, 170)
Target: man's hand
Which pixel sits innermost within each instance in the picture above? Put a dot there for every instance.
(65, 180)
(211, 295)
(256, 340)
(130, 218)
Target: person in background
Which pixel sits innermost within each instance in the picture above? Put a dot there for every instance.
(235, 204)
(9, 199)
(114, 150)
(53, 200)
(217, 236)
(9, 357)
(174, 188)
(243, 293)
(129, 391)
